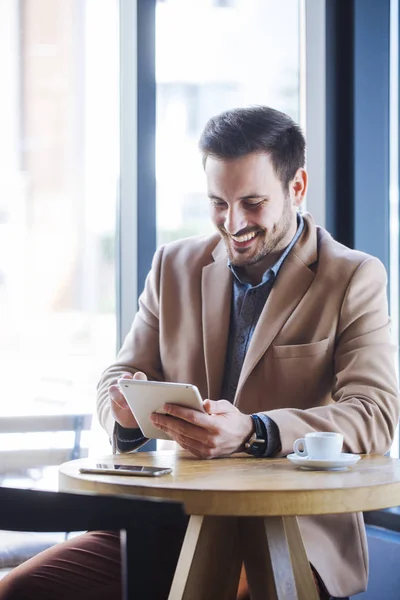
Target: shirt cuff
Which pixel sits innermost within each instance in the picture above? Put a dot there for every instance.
(271, 435)
(127, 440)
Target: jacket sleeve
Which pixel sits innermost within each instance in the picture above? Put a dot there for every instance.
(365, 400)
(140, 350)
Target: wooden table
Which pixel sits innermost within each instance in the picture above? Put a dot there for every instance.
(221, 495)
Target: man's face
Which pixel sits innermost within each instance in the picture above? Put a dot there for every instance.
(253, 213)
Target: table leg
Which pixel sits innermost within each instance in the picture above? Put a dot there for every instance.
(275, 559)
(210, 561)
(303, 575)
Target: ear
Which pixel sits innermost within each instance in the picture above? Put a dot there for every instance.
(298, 187)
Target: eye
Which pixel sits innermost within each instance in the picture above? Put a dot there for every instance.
(253, 205)
(217, 203)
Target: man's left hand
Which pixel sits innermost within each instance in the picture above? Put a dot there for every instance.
(220, 431)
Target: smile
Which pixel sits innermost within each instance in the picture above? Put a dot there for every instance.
(244, 238)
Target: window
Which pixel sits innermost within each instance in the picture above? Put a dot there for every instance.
(211, 56)
(58, 181)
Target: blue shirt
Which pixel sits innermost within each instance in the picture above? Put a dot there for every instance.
(247, 304)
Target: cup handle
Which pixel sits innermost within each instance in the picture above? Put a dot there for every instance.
(300, 447)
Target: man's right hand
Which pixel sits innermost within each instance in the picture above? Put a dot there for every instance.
(119, 407)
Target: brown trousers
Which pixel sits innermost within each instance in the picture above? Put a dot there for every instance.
(88, 567)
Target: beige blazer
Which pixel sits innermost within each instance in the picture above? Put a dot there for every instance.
(320, 359)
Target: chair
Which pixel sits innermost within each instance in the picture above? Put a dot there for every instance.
(138, 519)
(19, 461)
(24, 462)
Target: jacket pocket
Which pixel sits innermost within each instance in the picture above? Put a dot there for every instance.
(300, 350)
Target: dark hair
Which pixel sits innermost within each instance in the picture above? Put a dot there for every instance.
(240, 131)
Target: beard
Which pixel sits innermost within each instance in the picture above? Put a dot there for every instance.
(266, 242)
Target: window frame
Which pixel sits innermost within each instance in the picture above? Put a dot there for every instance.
(136, 206)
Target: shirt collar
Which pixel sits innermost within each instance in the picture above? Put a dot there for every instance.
(273, 271)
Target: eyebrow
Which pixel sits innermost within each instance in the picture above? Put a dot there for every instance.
(247, 197)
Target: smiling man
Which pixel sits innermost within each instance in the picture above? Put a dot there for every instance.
(254, 214)
(283, 330)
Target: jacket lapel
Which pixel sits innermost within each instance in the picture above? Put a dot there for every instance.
(216, 295)
(293, 281)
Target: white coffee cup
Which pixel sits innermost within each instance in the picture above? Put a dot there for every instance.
(319, 444)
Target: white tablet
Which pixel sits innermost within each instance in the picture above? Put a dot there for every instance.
(146, 397)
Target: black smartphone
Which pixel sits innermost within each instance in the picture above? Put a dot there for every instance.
(134, 470)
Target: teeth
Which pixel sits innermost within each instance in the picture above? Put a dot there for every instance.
(244, 238)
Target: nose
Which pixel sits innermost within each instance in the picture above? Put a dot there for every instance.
(235, 220)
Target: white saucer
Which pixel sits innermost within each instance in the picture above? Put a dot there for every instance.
(325, 464)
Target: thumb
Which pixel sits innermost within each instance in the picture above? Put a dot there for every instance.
(140, 376)
(217, 407)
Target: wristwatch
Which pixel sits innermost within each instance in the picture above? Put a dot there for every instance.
(257, 442)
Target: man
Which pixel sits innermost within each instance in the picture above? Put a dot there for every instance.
(283, 330)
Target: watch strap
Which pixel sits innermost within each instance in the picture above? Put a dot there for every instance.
(259, 427)
(272, 435)
(257, 442)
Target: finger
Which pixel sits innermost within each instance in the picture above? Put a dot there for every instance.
(123, 416)
(195, 417)
(197, 448)
(117, 398)
(125, 420)
(190, 446)
(190, 449)
(218, 407)
(177, 427)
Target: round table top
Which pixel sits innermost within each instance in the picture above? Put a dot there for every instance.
(245, 486)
